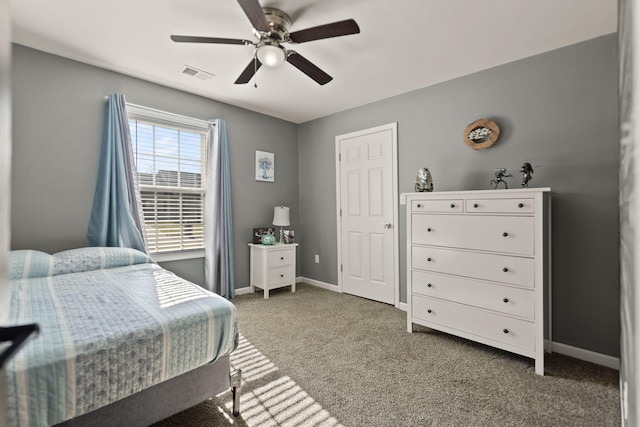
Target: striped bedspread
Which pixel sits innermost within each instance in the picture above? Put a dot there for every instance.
(112, 323)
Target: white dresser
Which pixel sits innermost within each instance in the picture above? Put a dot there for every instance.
(273, 266)
(478, 266)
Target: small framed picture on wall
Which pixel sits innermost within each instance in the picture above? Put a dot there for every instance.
(265, 166)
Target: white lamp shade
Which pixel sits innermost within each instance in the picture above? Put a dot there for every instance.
(281, 216)
(271, 56)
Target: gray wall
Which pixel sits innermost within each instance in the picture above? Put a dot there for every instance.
(558, 111)
(5, 155)
(58, 111)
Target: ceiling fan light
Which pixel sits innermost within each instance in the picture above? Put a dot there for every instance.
(271, 56)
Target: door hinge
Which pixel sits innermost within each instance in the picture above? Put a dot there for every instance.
(340, 211)
(339, 157)
(340, 268)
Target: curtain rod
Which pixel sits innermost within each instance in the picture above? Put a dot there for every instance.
(142, 107)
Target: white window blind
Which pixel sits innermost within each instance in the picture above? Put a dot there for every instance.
(170, 157)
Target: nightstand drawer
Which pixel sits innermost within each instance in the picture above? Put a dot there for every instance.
(444, 205)
(280, 275)
(279, 258)
(497, 268)
(504, 299)
(496, 327)
(520, 205)
(506, 234)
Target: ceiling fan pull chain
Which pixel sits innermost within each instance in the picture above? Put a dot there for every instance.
(255, 71)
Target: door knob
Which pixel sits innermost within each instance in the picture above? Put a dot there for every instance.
(387, 225)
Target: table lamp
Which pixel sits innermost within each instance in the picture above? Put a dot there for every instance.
(281, 219)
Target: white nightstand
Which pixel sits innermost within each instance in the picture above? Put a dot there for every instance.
(273, 266)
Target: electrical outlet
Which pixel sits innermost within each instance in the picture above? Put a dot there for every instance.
(317, 259)
(403, 199)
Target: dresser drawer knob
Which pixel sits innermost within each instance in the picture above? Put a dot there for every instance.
(429, 285)
(419, 205)
(429, 259)
(475, 205)
(282, 275)
(429, 311)
(452, 206)
(429, 230)
(505, 234)
(506, 331)
(505, 269)
(282, 258)
(520, 205)
(505, 300)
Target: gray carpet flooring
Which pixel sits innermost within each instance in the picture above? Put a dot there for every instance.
(319, 358)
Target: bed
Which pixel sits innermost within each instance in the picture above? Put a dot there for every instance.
(122, 341)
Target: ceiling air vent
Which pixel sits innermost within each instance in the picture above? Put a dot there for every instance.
(194, 72)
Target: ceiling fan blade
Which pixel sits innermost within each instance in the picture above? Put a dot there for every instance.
(311, 70)
(194, 39)
(254, 12)
(249, 72)
(336, 29)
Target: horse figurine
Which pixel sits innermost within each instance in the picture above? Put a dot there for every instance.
(499, 174)
(526, 170)
(424, 182)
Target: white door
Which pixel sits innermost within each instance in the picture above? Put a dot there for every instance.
(367, 213)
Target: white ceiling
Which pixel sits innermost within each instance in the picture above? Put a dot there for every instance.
(403, 44)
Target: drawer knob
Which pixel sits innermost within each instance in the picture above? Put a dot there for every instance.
(282, 275)
(506, 331)
(505, 300)
(419, 205)
(475, 205)
(429, 230)
(452, 206)
(520, 205)
(505, 269)
(505, 234)
(429, 311)
(429, 285)
(429, 259)
(282, 257)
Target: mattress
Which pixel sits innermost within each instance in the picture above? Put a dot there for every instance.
(112, 323)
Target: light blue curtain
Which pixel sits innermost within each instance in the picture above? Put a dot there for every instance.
(218, 225)
(116, 217)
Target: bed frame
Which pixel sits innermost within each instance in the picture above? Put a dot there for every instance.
(165, 399)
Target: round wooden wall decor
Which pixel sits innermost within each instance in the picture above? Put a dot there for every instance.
(482, 133)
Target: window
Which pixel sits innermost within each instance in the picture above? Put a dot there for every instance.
(170, 158)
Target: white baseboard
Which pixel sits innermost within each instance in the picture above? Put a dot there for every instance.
(244, 291)
(586, 355)
(318, 283)
(402, 306)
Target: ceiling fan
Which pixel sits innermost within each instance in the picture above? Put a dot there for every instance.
(271, 27)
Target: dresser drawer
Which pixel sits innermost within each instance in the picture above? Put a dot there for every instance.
(497, 268)
(507, 330)
(281, 257)
(514, 234)
(504, 299)
(517, 205)
(444, 205)
(279, 275)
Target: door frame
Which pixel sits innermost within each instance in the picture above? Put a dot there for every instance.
(393, 127)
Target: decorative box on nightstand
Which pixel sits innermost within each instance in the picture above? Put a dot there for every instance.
(273, 266)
